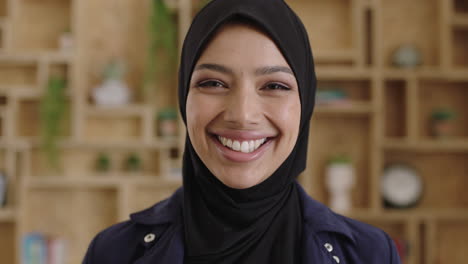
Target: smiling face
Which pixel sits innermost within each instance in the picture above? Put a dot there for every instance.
(243, 108)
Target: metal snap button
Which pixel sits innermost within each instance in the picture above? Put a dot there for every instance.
(329, 247)
(337, 259)
(149, 238)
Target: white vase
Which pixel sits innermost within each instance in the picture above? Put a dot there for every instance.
(66, 42)
(340, 179)
(112, 92)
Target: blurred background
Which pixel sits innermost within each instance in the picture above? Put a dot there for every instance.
(89, 128)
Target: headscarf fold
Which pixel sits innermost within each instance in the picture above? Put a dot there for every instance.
(263, 223)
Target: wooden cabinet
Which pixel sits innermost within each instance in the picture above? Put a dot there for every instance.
(386, 120)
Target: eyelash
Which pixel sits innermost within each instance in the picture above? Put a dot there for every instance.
(211, 84)
(278, 86)
(218, 84)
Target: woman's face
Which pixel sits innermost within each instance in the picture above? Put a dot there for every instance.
(243, 107)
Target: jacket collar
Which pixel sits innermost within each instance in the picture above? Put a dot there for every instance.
(164, 212)
(318, 217)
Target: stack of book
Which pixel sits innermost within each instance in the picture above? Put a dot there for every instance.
(38, 248)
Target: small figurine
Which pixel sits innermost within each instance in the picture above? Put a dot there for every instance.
(407, 56)
(340, 179)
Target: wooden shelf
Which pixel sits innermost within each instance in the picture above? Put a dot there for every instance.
(460, 145)
(353, 43)
(460, 21)
(119, 111)
(354, 108)
(7, 215)
(101, 181)
(404, 214)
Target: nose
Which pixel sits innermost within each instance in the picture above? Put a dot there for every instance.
(243, 106)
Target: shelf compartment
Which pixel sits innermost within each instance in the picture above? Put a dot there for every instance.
(53, 17)
(438, 93)
(420, 22)
(54, 213)
(130, 122)
(327, 138)
(356, 89)
(18, 74)
(395, 109)
(460, 44)
(81, 163)
(3, 8)
(7, 246)
(460, 6)
(322, 17)
(443, 175)
(449, 235)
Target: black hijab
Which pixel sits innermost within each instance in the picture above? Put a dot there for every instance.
(261, 224)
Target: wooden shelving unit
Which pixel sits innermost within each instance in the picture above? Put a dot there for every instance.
(390, 121)
(353, 40)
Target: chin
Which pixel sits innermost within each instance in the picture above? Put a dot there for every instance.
(239, 183)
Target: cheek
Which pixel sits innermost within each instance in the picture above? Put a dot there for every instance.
(201, 110)
(288, 117)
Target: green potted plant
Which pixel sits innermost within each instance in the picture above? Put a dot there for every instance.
(53, 111)
(103, 162)
(442, 122)
(162, 48)
(167, 123)
(133, 163)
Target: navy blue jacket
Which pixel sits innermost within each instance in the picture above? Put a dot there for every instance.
(155, 235)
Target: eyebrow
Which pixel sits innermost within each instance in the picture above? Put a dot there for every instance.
(260, 71)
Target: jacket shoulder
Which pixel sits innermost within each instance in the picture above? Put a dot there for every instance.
(115, 244)
(371, 244)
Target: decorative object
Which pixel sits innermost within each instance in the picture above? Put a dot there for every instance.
(162, 49)
(133, 163)
(332, 97)
(34, 249)
(407, 56)
(401, 186)
(57, 250)
(442, 122)
(103, 162)
(403, 247)
(340, 178)
(113, 91)
(3, 189)
(175, 165)
(167, 123)
(66, 42)
(53, 110)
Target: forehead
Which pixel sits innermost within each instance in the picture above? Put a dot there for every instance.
(242, 44)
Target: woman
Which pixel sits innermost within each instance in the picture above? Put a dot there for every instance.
(246, 94)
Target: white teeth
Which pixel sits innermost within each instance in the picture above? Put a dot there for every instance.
(245, 147)
(251, 145)
(242, 146)
(236, 145)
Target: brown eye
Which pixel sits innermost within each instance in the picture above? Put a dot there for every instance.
(211, 84)
(276, 86)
